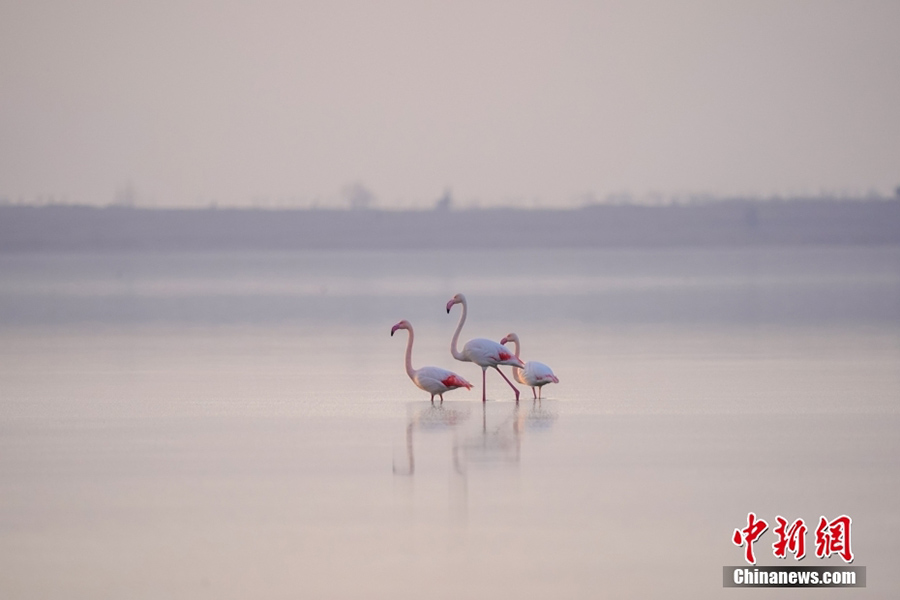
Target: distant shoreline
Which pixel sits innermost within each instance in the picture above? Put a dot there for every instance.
(61, 228)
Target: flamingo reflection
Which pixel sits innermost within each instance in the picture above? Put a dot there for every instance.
(496, 439)
(430, 418)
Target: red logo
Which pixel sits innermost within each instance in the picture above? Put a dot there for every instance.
(791, 538)
(748, 535)
(832, 537)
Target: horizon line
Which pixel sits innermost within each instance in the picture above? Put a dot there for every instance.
(617, 202)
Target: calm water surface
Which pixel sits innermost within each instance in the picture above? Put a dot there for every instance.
(225, 426)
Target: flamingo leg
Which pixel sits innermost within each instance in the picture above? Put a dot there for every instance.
(533, 393)
(483, 384)
(442, 398)
(515, 389)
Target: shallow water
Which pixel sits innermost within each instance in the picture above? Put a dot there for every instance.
(225, 425)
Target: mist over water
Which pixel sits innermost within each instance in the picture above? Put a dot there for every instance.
(225, 424)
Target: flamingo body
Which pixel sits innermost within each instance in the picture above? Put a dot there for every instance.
(433, 380)
(535, 374)
(436, 380)
(488, 353)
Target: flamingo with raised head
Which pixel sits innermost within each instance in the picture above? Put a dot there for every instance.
(483, 352)
(535, 374)
(433, 380)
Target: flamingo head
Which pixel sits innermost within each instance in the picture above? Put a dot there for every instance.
(510, 337)
(457, 299)
(404, 324)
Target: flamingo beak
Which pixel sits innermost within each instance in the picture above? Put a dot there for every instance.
(394, 329)
(449, 305)
(504, 340)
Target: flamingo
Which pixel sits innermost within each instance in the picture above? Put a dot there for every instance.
(433, 380)
(535, 374)
(484, 353)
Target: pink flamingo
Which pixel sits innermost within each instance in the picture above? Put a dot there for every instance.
(484, 353)
(433, 380)
(535, 374)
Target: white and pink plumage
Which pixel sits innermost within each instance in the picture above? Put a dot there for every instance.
(535, 374)
(483, 352)
(433, 380)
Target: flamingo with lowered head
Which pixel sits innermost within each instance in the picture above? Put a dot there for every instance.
(484, 353)
(433, 380)
(535, 374)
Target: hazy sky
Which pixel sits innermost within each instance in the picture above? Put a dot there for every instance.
(505, 102)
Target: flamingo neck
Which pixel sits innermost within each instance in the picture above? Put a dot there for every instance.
(453, 343)
(409, 344)
(516, 346)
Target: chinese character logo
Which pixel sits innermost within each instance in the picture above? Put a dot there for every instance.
(791, 538)
(748, 535)
(834, 538)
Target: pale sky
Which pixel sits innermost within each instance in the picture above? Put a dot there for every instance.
(517, 103)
